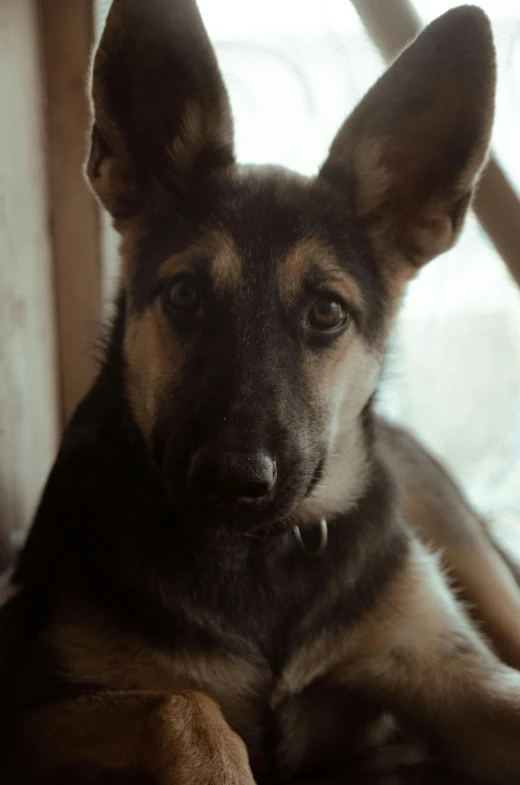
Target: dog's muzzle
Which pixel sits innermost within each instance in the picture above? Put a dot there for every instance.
(220, 480)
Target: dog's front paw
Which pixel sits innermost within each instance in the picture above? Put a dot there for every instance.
(206, 750)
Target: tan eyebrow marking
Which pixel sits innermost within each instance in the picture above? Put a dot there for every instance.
(155, 358)
(347, 286)
(217, 250)
(312, 254)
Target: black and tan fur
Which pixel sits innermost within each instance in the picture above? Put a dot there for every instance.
(172, 630)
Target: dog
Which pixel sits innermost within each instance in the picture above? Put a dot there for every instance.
(236, 573)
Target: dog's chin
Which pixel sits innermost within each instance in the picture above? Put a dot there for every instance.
(272, 521)
(260, 530)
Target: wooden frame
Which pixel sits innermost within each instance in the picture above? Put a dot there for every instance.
(50, 267)
(67, 34)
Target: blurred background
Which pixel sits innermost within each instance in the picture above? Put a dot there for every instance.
(294, 69)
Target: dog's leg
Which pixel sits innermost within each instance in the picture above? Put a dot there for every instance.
(436, 509)
(130, 739)
(420, 656)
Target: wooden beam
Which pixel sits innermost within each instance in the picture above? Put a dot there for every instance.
(28, 357)
(390, 24)
(67, 31)
(497, 207)
(393, 24)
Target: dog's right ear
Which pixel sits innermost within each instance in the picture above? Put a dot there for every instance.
(161, 111)
(412, 150)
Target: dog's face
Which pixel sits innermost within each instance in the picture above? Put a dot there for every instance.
(252, 344)
(257, 302)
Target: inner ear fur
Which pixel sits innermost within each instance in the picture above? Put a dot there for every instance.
(412, 150)
(161, 111)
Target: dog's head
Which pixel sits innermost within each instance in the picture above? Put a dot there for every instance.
(258, 302)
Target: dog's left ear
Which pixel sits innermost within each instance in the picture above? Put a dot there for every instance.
(412, 150)
(161, 111)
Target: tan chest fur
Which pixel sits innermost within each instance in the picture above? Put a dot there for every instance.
(294, 719)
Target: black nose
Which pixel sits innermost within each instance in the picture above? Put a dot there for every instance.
(217, 478)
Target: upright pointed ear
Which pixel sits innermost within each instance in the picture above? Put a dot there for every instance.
(412, 150)
(161, 111)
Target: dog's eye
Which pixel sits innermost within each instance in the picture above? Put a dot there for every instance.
(184, 298)
(327, 313)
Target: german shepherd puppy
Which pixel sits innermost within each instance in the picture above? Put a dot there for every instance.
(223, 584)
